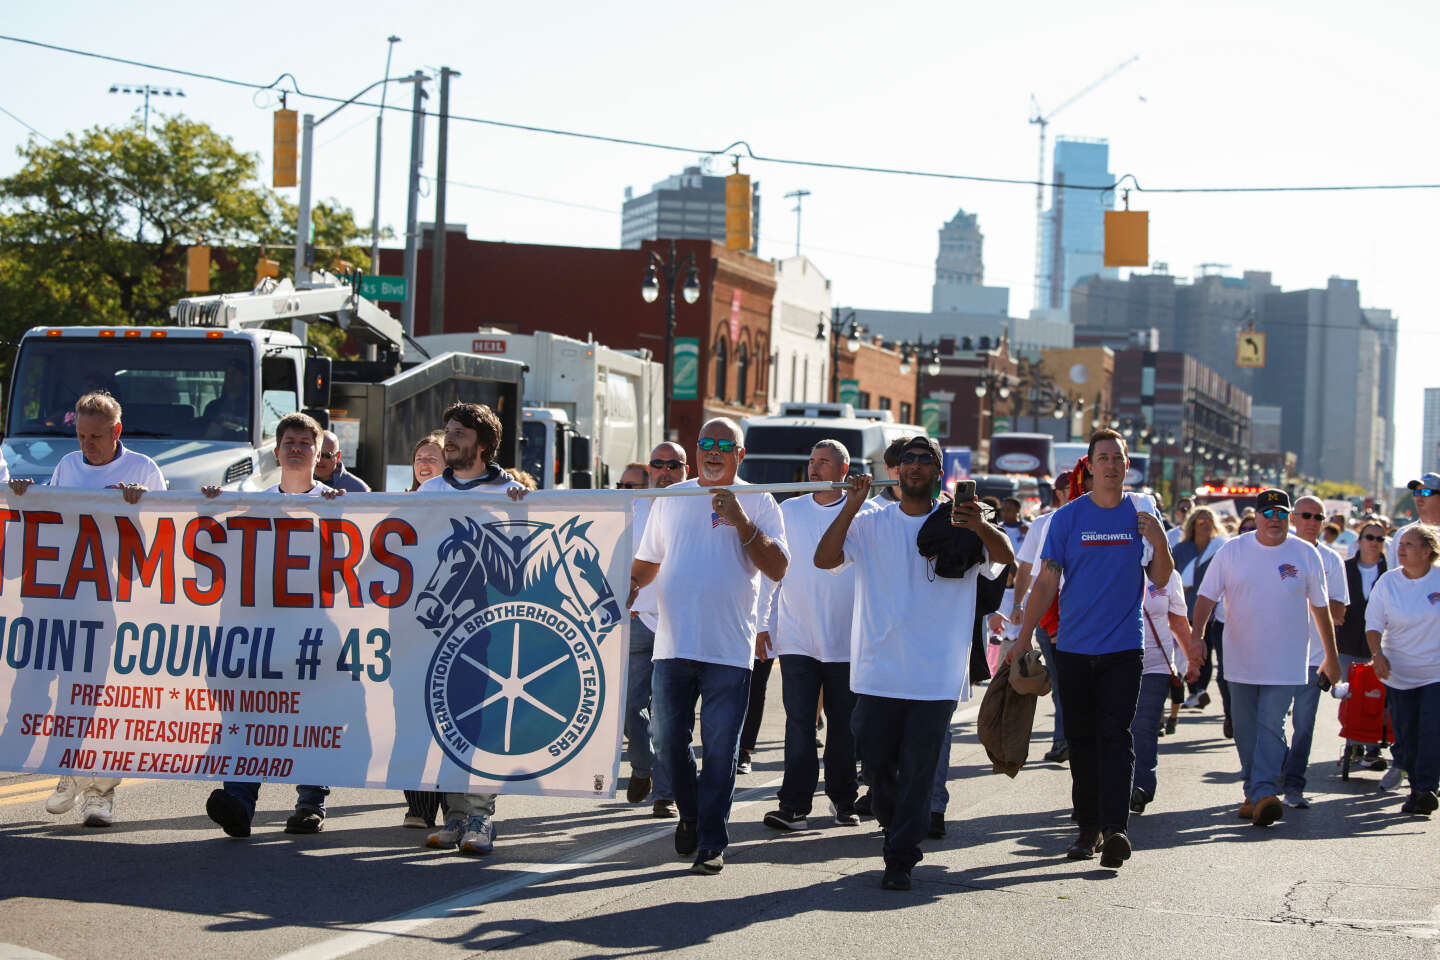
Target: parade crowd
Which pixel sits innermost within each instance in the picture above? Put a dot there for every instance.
(881, 610)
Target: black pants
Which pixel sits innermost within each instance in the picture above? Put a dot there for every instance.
(759, 679)
(899, 743)
(1100, 693)
(802, 680)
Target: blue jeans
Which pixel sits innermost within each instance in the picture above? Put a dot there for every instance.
(307, 797)
(1047, 651)
(801, 681)
(899, 741)
(1415, 717)
(638, 710)
(1100, 693)
(722, 692)
(1145, 730)
(1257, 712)
(1302, 714)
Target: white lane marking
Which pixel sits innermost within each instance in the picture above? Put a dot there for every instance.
(477, 896)
(10, 951)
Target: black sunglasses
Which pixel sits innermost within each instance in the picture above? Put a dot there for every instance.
(1311, 516)
(622, 485)
(1372, 537)
(924, 459)
(667, 464)
(1426, 492)
(724, 446)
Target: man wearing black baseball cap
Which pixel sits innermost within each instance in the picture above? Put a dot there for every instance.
(1273, 585)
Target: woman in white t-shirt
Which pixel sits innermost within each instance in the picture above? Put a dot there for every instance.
(1167, 632)
(1402, 627)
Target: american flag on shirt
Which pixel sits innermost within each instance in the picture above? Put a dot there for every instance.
(1288, 571)
(716, 520)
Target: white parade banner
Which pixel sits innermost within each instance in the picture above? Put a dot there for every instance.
(463, 643)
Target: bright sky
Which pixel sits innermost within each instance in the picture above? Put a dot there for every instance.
(1244, 94)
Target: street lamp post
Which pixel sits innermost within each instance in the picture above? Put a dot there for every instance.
(852, 345)
(145, 90)
(661, 269)
(379, 126)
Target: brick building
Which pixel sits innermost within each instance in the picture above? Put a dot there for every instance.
(881, 386)
(585, 292)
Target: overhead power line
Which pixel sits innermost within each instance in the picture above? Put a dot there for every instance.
(739, 148)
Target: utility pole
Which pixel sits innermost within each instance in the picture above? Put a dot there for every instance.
(302, 227)
(412, 217)
(379, 126)
(437, 238)
(799, 196)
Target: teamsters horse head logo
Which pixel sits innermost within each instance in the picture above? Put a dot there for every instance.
(519, 608)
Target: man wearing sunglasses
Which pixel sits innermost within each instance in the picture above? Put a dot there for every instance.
(330, 467)
(706, 556)
(667, 466)
(1307, 521)
(1273, 585)
(910, 640)
(1426, 494)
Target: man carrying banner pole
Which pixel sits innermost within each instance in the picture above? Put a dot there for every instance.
(101, 463)
(706, 559)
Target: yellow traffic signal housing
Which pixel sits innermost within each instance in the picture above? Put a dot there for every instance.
(737, 212)
(1127, 238)
(265, 267)
(285, 152)
(197, 269)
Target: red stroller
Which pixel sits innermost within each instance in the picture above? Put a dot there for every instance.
(1363, 718)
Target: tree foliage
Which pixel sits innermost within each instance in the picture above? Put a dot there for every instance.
(94, 227)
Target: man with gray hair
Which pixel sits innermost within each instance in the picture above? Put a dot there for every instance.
(330, 467)
(808, 628)
(706, 556)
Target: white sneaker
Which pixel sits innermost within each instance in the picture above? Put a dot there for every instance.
(1296, 801)
(1392, 778)
(448, 836)
(63, 798)
(1190, 702)
(99, 809)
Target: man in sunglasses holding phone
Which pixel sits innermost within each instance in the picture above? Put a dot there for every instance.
(667, 466)
(706, 555)
(1273, 585)
(909, 642)
(1426, 493)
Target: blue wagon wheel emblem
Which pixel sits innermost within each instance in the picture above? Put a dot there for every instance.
(517, 687)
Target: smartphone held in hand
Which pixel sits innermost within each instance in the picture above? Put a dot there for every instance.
(964, 493)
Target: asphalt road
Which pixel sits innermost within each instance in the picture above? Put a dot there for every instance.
(1351, 877)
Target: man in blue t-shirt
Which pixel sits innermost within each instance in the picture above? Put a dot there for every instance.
(1105, 544)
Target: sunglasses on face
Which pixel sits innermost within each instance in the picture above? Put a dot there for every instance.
(924, 459)
(1271, 513)
(622, 485)
(667, 464)
(1311, 516)
(724, 446)
(1426, 492)
(1374, 538)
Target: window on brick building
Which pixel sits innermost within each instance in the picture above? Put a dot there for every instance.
(742, 375)
(905, 411)
(720, 368)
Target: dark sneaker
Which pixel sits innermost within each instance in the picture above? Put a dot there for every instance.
(1228, 729)
(686, 837)
(783, 819)
(1421, 804)
(709, 862)
(1058, 753)
(895, 879)
(638, 789)
(742, 765)
(1170, 726)
(1084, 846)
(305, 820)
(1373, 761)
(1202, 701)
(845, 816)
(664, 809)
(937, 825)
(863, 807)
(229, 812)
(1138, 800)
(1115, 850)
(1268, 810)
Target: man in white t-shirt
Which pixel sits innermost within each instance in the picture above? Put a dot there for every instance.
(1426, 494)
(1308, 519)
(297, 447)
(910, 638)
(472, 441)
(1272, 585)
(667, 466)
(809, 631)
(706, 555)
(101, 463)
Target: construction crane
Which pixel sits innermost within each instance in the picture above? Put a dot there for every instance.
(1042, 120)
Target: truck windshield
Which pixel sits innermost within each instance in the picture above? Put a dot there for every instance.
(182, 389)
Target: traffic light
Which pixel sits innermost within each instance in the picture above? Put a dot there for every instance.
(197, 269)
(265, 267)
(285, 152)
(1127, 238)
(737, 212)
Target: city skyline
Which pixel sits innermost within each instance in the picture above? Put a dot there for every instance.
(873, 235)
